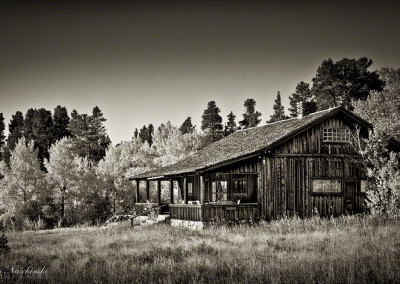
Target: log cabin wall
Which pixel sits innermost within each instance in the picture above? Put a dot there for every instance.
(291, 170)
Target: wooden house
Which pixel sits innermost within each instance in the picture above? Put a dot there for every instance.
(296, 166)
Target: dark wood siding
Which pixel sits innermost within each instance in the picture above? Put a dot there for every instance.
(290, 168)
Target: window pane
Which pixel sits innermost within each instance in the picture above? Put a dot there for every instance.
(326, 185)
(336, 134)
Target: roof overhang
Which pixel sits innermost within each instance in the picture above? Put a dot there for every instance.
(281, 140)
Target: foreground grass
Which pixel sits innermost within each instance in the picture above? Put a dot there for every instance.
(343, 250)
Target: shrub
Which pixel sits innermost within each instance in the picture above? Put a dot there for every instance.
(4, 248)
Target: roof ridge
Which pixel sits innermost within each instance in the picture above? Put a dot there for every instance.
(317, 112)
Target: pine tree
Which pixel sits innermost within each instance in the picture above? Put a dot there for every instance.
(2, 137)
(135, 134)
(61, 123)
(150, 133)
(143, 133)
(279, 112)
(28, 124)
(230, 126)
(79, 127)
(15, 130)
(98, 137)
(212, 122)
(251, 116)
(343, 82)
(42, 131)
(187, 126)
(89, 137)
(302, 94)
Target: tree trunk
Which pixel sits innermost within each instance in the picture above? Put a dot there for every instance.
(114, 195)
(62, 204)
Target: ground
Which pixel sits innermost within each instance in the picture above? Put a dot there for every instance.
(342, 250)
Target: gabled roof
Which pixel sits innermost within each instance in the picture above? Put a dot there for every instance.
(246, 143)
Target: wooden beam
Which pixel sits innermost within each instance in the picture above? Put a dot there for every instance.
(185, 199)
(147, 190)
(202, 187)
(171, 190)
(303, 155)
(250, 173)
(159, 191)
(137, 189)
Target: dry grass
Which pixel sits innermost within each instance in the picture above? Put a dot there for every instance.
(342, 250)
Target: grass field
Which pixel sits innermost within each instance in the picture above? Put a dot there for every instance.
(342, 250)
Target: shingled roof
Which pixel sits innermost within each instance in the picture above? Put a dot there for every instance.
(245, 143)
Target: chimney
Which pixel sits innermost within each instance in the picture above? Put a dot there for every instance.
(299, 107)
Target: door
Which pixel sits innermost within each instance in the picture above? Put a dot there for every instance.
(349, 196)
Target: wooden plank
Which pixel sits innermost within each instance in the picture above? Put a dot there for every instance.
(147, 190)
(202, 186)
(185, 197)
(137, 190)
(171, 190)
(159, 191)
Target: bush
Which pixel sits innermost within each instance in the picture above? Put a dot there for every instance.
(4, 248)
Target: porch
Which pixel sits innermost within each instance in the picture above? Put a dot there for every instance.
(207, 197)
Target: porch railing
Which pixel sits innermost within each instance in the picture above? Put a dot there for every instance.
(208, 212)
(186, 212)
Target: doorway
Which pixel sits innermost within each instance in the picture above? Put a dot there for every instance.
(349, 196)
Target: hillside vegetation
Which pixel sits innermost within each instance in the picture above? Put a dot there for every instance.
(344, 250)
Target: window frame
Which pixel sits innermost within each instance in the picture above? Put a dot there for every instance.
(216, 194)
(325, 181)
(336, 134)
(239, 183)
(189, 188)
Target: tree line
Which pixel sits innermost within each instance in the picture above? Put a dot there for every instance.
(342, 83)
(60, 170)
(78, 177)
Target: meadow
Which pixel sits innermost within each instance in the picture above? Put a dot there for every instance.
(352, 249)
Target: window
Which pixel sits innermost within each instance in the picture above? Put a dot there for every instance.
(336, 135)
(327, 186)
(239, 186)
(219, 190)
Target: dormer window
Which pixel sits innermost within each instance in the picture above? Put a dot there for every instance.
(332, 134)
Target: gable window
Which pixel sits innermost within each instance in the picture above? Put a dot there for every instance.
(341, 134)
(239, 186)
(219, 190)
(326, 186)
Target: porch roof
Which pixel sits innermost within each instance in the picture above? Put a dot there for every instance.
(246, 143)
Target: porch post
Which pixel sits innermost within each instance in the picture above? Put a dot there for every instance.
(202, 187)
(171, 190)
(137, 190)
(185, 191)
(147, 190)
(159, 191)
